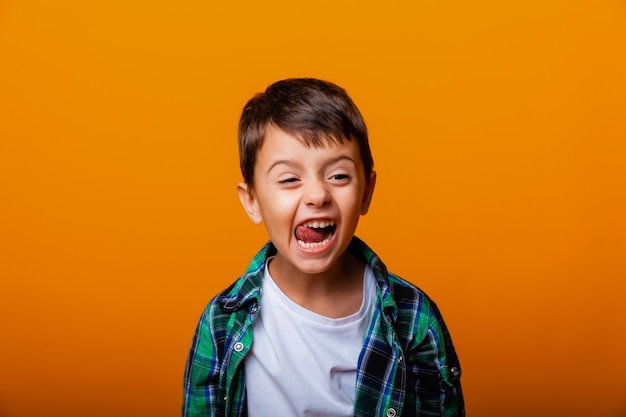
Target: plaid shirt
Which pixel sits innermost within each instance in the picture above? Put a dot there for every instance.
(407, 367)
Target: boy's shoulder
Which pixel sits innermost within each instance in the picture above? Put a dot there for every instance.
(403, 294)
(407, 295)
(411, 305)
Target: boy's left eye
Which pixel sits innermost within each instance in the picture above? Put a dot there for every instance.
(340, 177)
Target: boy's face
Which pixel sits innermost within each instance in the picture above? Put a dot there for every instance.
(309, 198)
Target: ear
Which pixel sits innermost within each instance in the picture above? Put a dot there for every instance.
(368, 193)
(249, 202)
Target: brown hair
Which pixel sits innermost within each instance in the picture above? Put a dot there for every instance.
(313, 110)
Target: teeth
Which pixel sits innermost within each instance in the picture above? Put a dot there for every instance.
(314, 244)
(316, 224)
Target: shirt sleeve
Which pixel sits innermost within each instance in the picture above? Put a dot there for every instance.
(434, 372)
(201, 379)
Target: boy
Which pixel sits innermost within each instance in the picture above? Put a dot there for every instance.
(316, 326)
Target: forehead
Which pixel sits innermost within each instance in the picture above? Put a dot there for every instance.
(280, 145)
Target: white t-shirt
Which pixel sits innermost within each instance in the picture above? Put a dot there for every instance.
(303, 363)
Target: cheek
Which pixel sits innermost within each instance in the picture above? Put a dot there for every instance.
(352, 212)
(279, 210)
(350, 199)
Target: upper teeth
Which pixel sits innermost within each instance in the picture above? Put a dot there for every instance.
(317, 224)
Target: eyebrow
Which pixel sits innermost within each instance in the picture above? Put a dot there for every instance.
(290, 162)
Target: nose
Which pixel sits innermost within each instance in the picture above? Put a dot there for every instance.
(316, 194)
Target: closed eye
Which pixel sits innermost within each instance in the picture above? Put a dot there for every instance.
(340, 177)
(288, 180)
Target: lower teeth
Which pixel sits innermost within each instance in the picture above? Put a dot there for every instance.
(310, 245)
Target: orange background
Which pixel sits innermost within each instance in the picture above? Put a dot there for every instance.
(498, 132)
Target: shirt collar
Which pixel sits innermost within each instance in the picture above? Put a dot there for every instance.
(248, 287)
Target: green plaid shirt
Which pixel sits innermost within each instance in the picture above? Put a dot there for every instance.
(407, 367)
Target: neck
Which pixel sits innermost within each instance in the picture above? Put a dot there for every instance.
(336, 292)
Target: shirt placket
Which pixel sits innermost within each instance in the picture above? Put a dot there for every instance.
(239, 347)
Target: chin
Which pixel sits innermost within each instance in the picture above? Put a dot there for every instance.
(313, 269)
(317, 261)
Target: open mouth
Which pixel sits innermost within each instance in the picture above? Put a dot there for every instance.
(314, 234)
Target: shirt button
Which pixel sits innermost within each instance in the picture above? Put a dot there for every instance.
(253, 309)
(400, 359)
(391, 412)
(238, 347)
(455, 371)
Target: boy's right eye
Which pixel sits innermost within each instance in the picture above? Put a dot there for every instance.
(287, 181)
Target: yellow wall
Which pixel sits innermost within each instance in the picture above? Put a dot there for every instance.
(499, 135)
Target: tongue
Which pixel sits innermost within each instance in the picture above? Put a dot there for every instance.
(309, 235)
